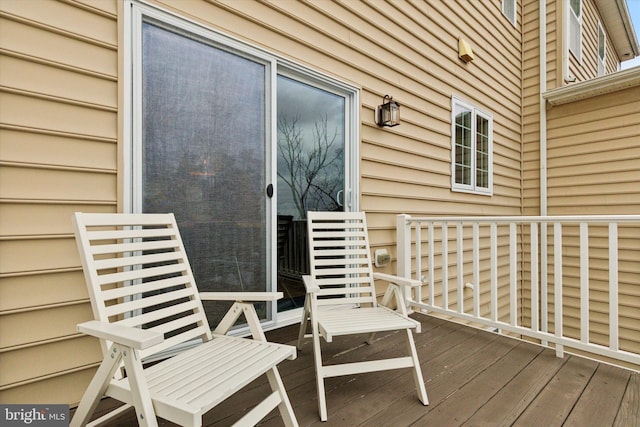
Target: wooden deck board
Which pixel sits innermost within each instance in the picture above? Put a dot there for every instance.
(460, 406)
(506, 406)
(629, 413)
(601, 399)
(554, 403)
(473, 377)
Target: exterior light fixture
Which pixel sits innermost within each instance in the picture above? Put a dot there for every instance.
(388, 114)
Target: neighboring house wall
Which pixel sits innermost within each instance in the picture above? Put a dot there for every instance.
(531, 98)
(58, 149)
(594, 152)
(587, 68)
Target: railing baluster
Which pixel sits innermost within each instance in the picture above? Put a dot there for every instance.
(557, 281)
(494, 271)
(419, 259)
(513, 274)
(534, 276)
(432, 276)
(476, 269)
(459, 247)
(445, 266)
(542, 245)
(613, 286)
(584, 282)
(403, 235)
(544, 288)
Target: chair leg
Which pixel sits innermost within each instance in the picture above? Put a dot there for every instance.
(417, 371)
(285, 408)
(97, 387)
(145, 413)
(303, 324)
(317, 358)
(370, 338)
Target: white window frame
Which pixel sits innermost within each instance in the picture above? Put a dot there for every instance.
(510, 6)
(475, 112)
(602, 60)
(575, 20)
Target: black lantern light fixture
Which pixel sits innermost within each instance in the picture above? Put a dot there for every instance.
(388, 114)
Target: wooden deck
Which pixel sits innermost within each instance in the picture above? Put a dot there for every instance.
(473, 378)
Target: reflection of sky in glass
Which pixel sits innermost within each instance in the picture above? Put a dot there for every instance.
(307, 105)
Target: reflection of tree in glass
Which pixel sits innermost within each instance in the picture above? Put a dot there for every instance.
(313, 171)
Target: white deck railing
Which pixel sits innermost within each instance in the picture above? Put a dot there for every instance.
(494, 271)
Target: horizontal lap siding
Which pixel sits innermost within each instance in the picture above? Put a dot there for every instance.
(594, 169)
(594, 152)
(531, 98)
(58, 151)
(592, 160)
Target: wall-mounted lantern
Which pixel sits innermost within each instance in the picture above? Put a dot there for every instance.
(388, 114)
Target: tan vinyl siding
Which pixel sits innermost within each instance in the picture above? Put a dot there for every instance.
(531, 100)
(592, 156)
(588, 68)
(611, 59)
(594, 152)
(594, 147)
(418, 65)
(58, 151)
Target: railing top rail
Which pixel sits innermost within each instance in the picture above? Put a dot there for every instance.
(525, 219)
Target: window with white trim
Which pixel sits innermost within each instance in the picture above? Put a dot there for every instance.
(472, 148)
(509, 10)
(574, 26)
(602, 51)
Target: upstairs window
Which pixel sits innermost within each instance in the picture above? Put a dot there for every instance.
(575, 28)
(602, 51)
(509, 10)
(472, 140)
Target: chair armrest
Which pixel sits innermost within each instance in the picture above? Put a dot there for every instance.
(403, 281)
(124, 335)
(240, 296)
(310, 284)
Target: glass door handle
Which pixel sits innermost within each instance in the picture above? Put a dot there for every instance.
(270, 190)
(339, 198)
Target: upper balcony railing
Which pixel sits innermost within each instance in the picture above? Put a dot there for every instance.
(573, 281)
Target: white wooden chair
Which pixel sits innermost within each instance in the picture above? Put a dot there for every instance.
(145, 301)
(341, 298)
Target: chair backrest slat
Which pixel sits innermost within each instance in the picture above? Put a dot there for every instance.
(340, 258)
(153, 317)
(130, 291)
(133, 260)
(150, 301)
(138, 274)
(141, 274)
(130, 247)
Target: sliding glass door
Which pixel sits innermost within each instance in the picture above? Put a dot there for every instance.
(239, 144)
(203, 156)
(311, 173)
